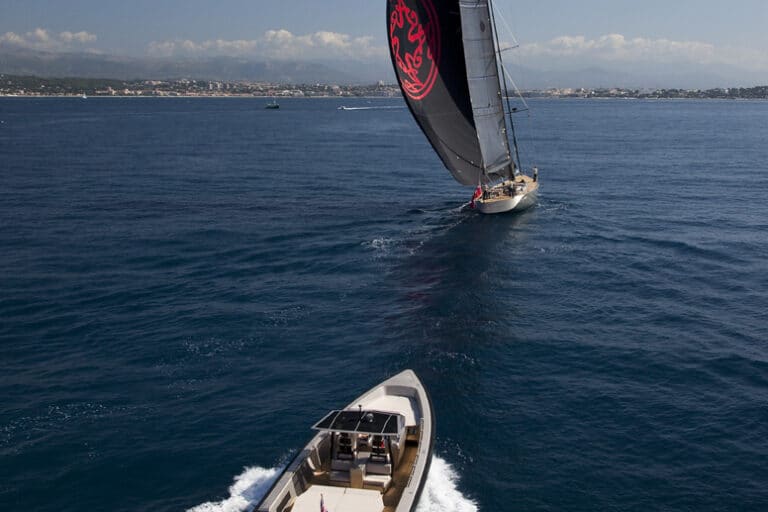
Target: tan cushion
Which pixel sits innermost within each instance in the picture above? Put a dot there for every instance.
(378, 469)
(382, 481)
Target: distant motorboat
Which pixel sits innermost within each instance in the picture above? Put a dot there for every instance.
(84, 96)
(272, 105)
(372, 456)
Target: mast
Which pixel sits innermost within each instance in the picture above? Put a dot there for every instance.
(503, 79)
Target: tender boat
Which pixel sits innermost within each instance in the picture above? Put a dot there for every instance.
(372, 456)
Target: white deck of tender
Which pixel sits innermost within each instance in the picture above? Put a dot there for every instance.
(338, 499)
(401, 404)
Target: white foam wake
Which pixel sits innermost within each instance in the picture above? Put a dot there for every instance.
(440, 492)
(370, 108)
(249, 487)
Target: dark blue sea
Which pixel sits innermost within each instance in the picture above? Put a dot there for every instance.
(187, 285)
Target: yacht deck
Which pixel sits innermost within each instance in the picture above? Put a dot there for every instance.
(500, 192)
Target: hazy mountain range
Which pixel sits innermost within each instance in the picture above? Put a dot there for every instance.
(85, 65)
(91, 65)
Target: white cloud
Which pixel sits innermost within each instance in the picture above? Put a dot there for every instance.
(39, 35)
(275, 44)
(747, 58)
(618, 49)
(187, 47)
(12, 39)
(79, 37)
(42, 39)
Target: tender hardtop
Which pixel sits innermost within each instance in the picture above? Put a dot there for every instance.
(362, 422)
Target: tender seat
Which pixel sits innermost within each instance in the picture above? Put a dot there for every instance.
(340, 470)
(342, 463)
(378, 451)
(378, 475)
(363, 445)
(344, 448)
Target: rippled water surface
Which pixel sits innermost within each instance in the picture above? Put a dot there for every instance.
(187, 285)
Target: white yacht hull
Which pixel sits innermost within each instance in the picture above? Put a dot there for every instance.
(511, 204)
(304, 483)
(502, 202)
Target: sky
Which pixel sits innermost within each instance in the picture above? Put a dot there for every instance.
(698, 34)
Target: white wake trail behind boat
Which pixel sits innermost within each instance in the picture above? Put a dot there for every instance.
(371, 108)
(249, 487)
(440, 493)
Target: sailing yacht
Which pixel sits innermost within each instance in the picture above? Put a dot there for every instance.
(446, 58)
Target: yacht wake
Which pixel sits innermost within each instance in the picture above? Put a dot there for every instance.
(440, 492)
(371, 108)
(249, 487)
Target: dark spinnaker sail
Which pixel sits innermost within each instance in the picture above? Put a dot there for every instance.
(433, 45)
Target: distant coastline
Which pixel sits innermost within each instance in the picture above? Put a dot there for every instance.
(30, 86)
(720, 93)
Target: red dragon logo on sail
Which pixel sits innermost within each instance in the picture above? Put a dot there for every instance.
(415, 46)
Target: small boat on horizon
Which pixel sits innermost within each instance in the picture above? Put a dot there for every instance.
(272, 105)
(372, 456)
(447, 60)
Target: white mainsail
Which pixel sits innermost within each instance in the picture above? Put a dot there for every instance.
(484, 85)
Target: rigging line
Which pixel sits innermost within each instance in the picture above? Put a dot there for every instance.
(513, 47)
(506, 92)
(519, 94)
(531, 128)
(515, 42)
(507, 26)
